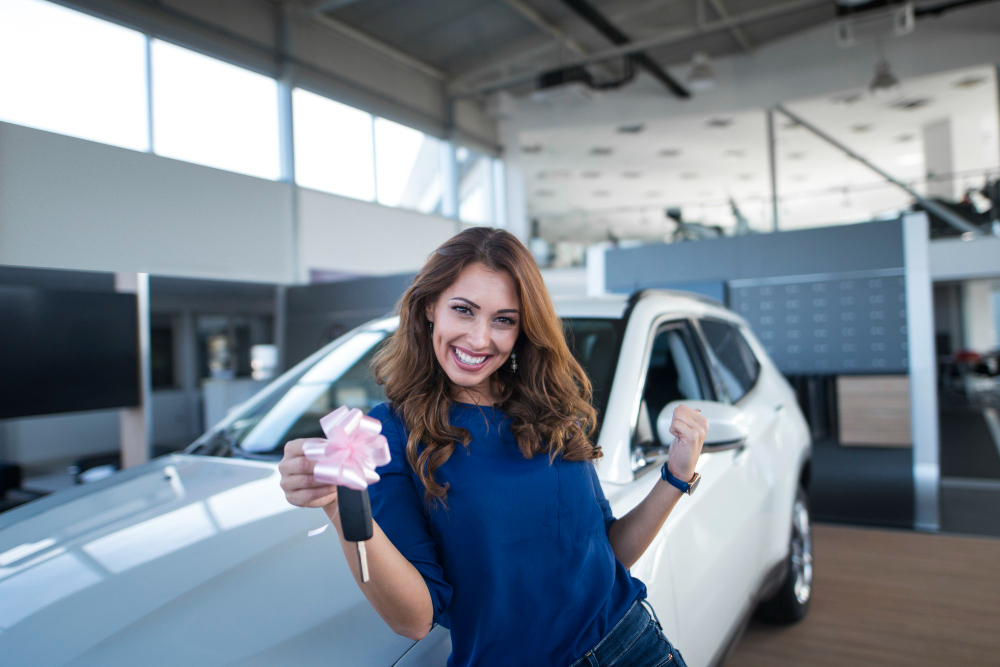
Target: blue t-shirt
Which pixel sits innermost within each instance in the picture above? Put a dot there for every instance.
(519, 567)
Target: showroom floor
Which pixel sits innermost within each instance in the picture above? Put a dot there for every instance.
(889, 597)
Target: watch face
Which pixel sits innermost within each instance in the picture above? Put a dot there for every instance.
(694, 483)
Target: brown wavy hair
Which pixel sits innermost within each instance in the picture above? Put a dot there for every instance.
(549, 398)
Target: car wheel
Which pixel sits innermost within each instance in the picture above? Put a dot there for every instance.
(791, 602)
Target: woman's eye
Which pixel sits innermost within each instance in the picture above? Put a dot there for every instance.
(461, 309)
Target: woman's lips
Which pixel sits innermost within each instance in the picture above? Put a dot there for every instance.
(467, 367)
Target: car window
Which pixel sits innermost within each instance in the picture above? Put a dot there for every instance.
(675, 373)
(734, 360)
(292, 408)
(594, 343)
(340, 378)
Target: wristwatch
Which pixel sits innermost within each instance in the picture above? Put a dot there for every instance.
(685, 487)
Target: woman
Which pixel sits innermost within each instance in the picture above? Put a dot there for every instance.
(507, 540)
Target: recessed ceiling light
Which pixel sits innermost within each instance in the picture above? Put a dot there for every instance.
(745, 177)
(669, 152)
(734, 154)
(910, 159)
(796, 156)
(601, 193)
(800, 178)
(532, 148)
(654, 193)
(861, 128)
(969, 82)
(544, 193)
(719, 122)
(591, 174)
(631, 129)
(903, 138)
(631, 174)
(602, 150)
(689, 175)
(910, 103)
(554, 175)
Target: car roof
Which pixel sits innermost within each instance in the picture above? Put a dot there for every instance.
(616, 305)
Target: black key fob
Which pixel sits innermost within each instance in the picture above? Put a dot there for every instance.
(355, 514)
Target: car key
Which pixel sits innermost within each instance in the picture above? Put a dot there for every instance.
(356, 521)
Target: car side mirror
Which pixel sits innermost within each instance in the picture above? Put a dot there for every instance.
(727, 424)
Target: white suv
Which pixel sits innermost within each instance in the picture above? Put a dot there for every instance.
(197, 558)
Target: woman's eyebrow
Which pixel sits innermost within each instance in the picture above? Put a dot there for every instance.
(476, 305)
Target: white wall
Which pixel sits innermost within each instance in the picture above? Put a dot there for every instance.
(955, 259)
(74, 204)
(342, 234)
(978, 321)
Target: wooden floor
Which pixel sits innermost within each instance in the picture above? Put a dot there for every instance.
(886, 597)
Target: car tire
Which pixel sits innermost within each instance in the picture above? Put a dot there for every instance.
(791, 601)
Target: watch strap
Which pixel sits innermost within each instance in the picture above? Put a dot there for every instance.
(685, 487)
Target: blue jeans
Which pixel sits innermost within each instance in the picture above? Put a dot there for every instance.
(635, 641)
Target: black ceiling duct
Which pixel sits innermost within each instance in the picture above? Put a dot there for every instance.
(606, 28)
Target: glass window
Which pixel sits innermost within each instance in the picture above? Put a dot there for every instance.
(66, 72)
(213, 113)
(733, 358)
(475, 187)
(408, 166)
(594, 343)
(334, 149)
(673, 375)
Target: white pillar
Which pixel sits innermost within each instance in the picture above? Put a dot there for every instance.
(137, 423)
(939, 159)
(597, 281)
(923, 370)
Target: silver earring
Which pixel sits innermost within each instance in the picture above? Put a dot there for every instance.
(430, 325)
(513, 361)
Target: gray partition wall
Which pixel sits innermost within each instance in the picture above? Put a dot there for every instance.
(316, 314)
(828, 300)
(849, 299)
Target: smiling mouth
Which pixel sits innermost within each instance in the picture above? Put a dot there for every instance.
(468, 365)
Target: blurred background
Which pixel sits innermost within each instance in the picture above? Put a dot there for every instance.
(195, 195)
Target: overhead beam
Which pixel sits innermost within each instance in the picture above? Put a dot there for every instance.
(543, 24)
(667, 37)
(321, 6)
(389, 51)
(953, 219)
(640, 58)
(736, 32)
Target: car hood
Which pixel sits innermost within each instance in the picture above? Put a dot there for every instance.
(184, 560)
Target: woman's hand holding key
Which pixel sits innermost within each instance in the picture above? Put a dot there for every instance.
(297, 480)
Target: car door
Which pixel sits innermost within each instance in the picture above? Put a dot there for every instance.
(688, 567)
(716, 556)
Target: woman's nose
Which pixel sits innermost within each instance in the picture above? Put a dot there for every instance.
(479, 335)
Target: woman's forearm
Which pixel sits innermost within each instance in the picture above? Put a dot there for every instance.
(632, 534)
(394, 588)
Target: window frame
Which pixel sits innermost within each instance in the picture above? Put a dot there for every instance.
(699, 359)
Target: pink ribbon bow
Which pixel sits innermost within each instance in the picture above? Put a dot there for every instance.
(353, 449)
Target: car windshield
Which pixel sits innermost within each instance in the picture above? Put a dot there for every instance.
(292, 407)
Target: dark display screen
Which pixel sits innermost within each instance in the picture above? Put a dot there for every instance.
(65, 351)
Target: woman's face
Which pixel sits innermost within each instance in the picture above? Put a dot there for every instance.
(476, 322)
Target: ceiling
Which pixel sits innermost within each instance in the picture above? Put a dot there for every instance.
(583, 181)
(475, 41)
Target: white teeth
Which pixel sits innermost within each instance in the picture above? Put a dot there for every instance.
(467, 359)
